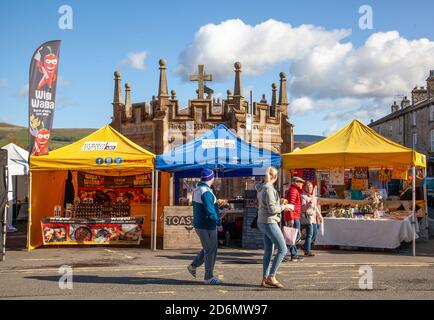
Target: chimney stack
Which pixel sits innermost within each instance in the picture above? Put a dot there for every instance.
(430, 85)
(405, 103)
(418, 95)
(394, 107)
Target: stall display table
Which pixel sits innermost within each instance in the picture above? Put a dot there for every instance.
(367, 233)
(106, 231)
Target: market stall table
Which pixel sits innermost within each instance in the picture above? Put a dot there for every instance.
(366, 233)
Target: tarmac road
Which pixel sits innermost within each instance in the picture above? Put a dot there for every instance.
(137, 273)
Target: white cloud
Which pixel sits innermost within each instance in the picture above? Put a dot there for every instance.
(326, 71)
(256, 47)
(24, 91)
(385, 65)
(135, 60)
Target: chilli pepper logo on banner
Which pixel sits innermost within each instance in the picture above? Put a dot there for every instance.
(42, 96)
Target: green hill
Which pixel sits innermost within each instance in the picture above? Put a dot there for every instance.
(19, 135)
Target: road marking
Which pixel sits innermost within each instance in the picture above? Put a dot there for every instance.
(48, 259)
(305, 285)
(149, 292)
(119, 254)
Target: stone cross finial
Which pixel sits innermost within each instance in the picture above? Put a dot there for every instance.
(201, 77)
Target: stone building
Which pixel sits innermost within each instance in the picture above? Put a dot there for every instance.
(412, 122)
(161, 124)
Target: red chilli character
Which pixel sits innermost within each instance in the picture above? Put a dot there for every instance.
(41, 142)
(47, 68)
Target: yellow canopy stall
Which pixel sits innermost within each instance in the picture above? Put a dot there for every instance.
(49, 173)
(357, 145)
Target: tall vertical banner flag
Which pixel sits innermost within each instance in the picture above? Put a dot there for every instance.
(42, 96)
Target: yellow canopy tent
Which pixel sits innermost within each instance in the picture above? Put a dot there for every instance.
(357, 145)
(48, 173)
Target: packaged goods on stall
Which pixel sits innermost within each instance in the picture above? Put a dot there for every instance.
(337, 176)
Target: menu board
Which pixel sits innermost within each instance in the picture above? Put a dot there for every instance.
(137, 188)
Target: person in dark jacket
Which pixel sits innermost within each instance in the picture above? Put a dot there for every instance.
(292, 217)
(206, 221)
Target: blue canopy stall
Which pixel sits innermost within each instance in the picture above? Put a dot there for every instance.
(219, 149)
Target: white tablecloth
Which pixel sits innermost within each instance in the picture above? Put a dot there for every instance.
(379, 233)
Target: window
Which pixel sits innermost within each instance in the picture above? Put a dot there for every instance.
(432, 140)
(400, 124)
(431, 113)
(414, 140)
(413, 115)
(390, 130)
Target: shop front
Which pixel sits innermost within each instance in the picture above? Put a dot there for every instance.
(98, 190)
(353, 170)
(230, 157)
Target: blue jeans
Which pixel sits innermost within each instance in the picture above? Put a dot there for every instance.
(309, 236)
(208, 254)
(272, 237)
(293, 249)
(315, 231)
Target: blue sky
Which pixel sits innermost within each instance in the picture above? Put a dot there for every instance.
(105, 32)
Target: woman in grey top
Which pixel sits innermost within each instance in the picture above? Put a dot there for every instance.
(269, 215)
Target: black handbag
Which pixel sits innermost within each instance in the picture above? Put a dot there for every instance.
(254, 224)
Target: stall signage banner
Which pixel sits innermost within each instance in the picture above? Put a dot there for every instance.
(218, 143)
(86, 180)
(42, 96)
(360, 173)
(99, 146)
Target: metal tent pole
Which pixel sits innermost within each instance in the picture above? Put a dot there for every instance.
(5, 214)
(29, 220)
(152, 208)
(414, 210)
(155, 213)
(425, 198)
